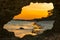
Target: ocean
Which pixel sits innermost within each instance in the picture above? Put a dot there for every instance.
(14, 26)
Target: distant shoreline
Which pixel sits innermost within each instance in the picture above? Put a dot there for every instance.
(31, 20)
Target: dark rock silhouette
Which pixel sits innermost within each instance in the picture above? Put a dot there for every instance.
(21, 28)
(10, 8)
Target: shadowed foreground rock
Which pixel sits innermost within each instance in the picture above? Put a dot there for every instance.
(47, 35)
(10, 8)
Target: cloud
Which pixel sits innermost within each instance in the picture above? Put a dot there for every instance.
(35, 10)
(40, 6)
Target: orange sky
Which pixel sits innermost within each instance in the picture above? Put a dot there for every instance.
(35, 10)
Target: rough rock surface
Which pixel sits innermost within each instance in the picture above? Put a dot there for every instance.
(10, 8)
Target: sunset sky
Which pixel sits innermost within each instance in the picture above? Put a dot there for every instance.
(34, 10)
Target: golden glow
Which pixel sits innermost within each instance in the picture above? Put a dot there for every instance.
(35, 10)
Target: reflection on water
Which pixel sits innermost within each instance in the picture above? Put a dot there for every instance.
(22, 28)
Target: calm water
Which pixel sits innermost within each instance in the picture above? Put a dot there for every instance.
(13, 26)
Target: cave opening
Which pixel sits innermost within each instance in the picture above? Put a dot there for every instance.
(8, 10)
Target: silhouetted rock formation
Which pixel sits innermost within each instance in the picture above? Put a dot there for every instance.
(56, 27)
(10, 8)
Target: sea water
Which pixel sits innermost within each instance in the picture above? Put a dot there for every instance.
(14, 26)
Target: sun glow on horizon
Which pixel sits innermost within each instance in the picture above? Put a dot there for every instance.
(35, 10)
